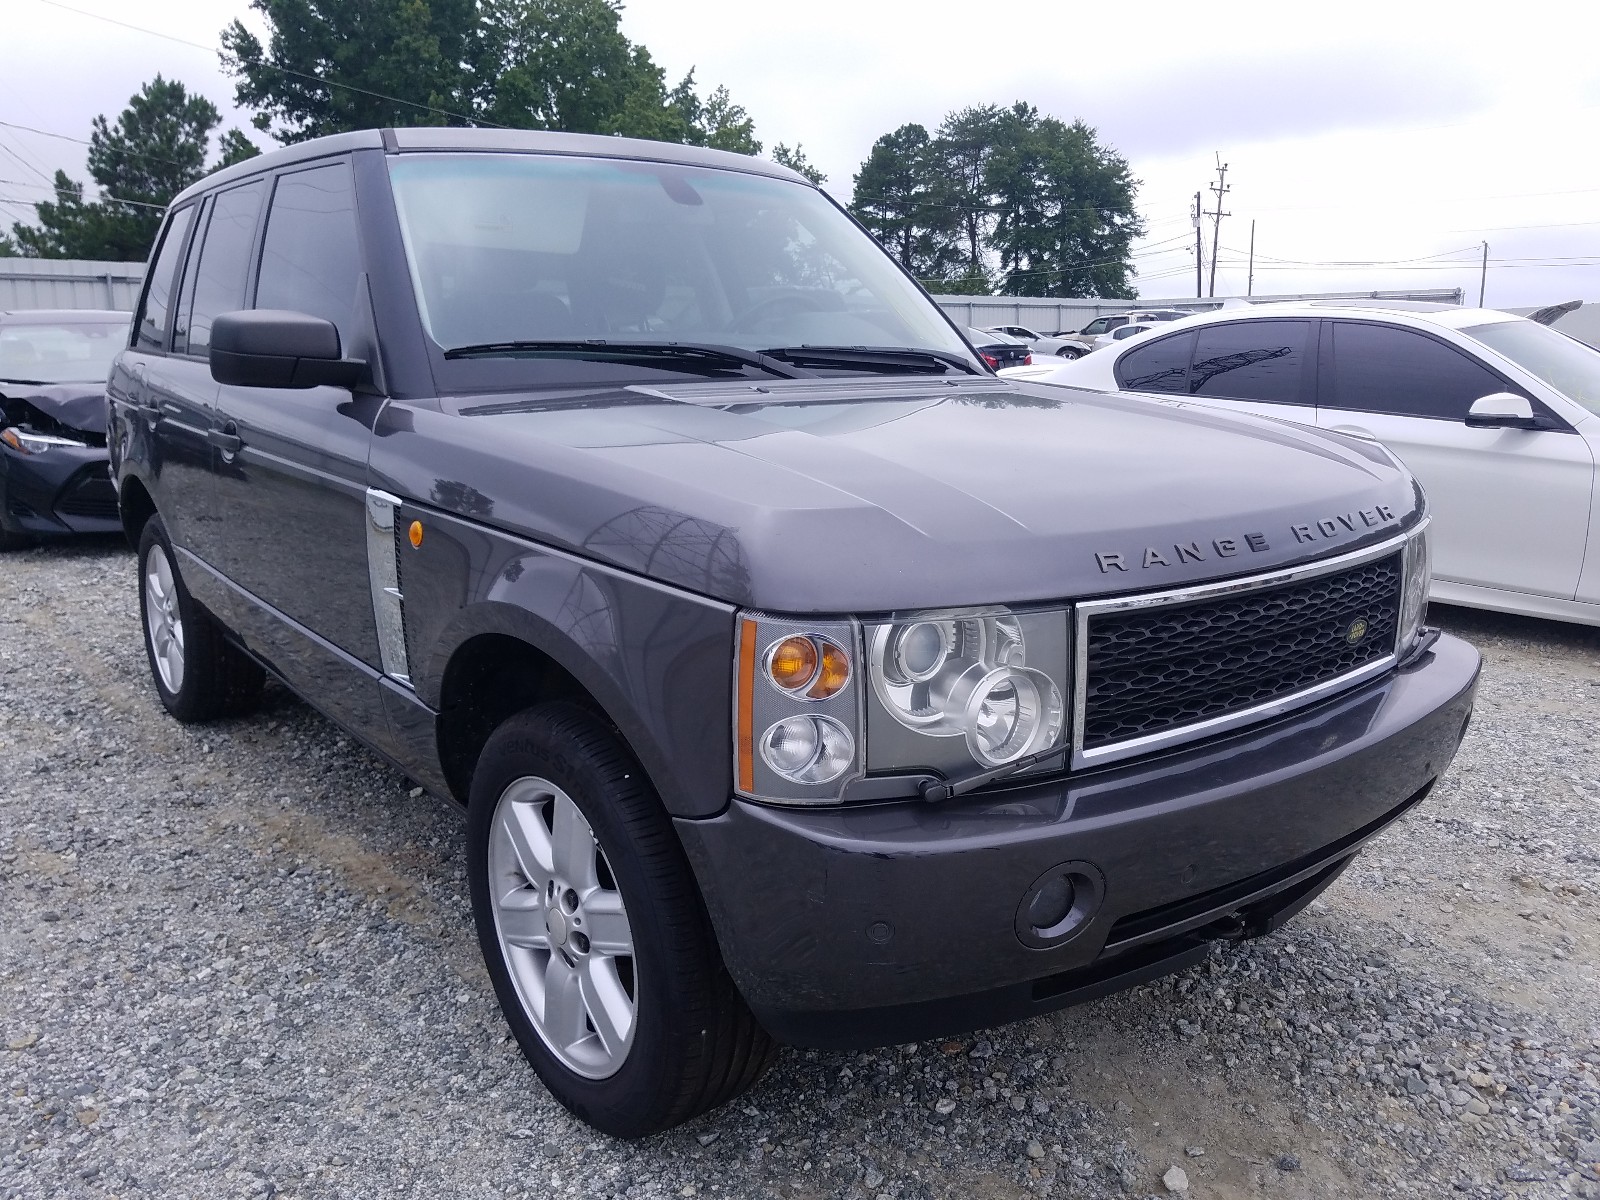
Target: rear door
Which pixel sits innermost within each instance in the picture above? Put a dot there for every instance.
(154, 403)
(1510, 506)
(214, 282)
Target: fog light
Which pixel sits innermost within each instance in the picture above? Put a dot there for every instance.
(1052, 903)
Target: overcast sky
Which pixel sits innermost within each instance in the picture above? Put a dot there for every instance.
(1375, 145)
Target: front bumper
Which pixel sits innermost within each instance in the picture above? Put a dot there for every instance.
(879, 924)
(65, 490)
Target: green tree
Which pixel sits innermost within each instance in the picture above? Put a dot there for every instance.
(566, 65)
(235, 148)
(900, 197)
(8, 248)
(716, 121)
(796, 160)
(332, 65)
(1064, 217)
(156, 149)
(396, 62)
(966, 140)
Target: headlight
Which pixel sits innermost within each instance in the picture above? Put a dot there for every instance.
(33, 443)
(959, 688)
(1414, 589)
(797, 709)
(818, 704)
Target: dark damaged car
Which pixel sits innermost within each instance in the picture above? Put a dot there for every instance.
(53, 471)
(803, 681)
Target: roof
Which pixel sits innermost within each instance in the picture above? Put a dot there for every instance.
(64, 316)
(1450, 316)
(530, 141)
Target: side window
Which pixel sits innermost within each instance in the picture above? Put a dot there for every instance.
(310, 257)
(1098, 325)
(1253, 360)
(1384, 369)
(1161, 365)
(163, 283)
(223, 265)
(1114, 323)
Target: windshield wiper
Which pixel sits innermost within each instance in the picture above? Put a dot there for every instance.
(894, 358)
(24, 382)
(703, 353)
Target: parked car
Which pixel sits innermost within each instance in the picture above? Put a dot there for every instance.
(1000, 349)
(802, 680)
(1076, 345)
(54, 478)
(1122, 333)
(1039, 343)
(1496, 414)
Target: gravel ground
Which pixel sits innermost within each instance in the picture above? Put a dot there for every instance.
(238, 961)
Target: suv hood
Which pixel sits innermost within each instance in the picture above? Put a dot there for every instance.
(879, 495)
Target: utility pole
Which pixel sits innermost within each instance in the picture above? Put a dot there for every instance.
(1199, 250)
(1221, 188)
(1250, 279)
(1483, 275)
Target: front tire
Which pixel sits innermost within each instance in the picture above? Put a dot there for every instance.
(198, 673)
(594, 933)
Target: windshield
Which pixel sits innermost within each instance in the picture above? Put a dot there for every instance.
(1567, 365)
(72, 352)
(518, 248)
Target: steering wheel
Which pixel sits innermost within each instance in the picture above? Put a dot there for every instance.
(774, 306)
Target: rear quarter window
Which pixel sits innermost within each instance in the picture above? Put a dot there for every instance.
(1161, 365)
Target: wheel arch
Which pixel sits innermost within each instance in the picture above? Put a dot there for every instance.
(495, 660)
(135, 507)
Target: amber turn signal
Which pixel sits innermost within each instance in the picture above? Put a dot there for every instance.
(416, 533)
(835, 673)
(793, 663)
(809, 666)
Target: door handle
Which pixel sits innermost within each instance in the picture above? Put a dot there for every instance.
(226, 439)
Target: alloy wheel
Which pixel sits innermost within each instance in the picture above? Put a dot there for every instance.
(563, 928)
(163, 619)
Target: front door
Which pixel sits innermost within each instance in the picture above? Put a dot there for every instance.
(1510, 506)
(292, 476)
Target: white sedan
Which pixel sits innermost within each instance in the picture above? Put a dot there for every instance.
(1498, 417)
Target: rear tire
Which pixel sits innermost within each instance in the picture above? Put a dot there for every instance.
(198, 673)
(638, 1027)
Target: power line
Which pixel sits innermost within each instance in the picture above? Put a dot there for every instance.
(67, 137)
(324, 80)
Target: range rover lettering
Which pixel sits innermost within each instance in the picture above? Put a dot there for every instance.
(802, 681)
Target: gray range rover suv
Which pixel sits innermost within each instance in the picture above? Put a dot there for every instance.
(802, 681)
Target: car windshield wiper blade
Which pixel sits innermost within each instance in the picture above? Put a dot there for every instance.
(704, 353)
(24, 382)
(893, 357)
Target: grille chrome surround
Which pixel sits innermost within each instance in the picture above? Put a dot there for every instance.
(1266, 710)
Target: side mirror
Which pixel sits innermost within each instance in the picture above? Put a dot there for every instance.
(270, 347)
(1505, 410)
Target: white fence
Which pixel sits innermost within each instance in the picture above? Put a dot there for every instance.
(68, 283)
